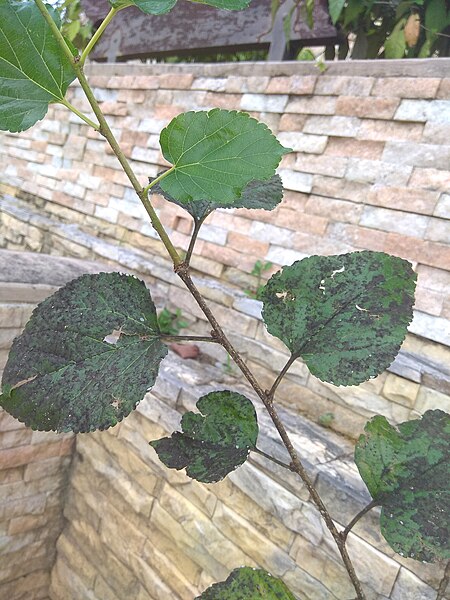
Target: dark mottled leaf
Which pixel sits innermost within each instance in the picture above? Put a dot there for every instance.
(33, 69)
(345, 315)
(248, 584)
(407, 470)
(149, 7)
(264, 195)
(215, 154)
(215, 442)
(87, 356)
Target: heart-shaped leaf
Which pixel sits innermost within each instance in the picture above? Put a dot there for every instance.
(407, 470)
(345, 315)
(215, 154)
(215, 442)
(248, 584)
(160, 7)
(87, 356)
(264, 195)
(149, 7)
(33, 69)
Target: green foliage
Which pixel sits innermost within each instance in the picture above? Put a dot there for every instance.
(400, 29)
(264, 195)
(345, 315)
(248, 584)
(258, 271)
(75, 27)
(171, 323)
(215, 442)
(216, 154)
(407, 470)
(87, 356)
(160, 7)
(33, 69)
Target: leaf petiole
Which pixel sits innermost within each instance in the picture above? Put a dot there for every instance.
(98, 34)
(79, 114)
(158, 179)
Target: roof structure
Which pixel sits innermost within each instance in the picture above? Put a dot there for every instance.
(192, 28)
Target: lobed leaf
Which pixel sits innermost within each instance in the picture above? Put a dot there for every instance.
(407, 469)
(87, 356)
(215, 154)
(34, 71)
(248, 584)
(264, 195)
(214, 442)
(345, 315)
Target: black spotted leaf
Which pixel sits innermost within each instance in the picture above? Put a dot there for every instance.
(264, 195)
(216, 153)
(345, 315)
(407, 471)
(87, 356)
(33, 69)
(246, 583)
(215, 442)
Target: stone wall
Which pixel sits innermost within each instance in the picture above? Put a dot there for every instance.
(370, 170)
(33, 465)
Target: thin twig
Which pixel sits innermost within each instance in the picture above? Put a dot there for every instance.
(444, 583)
(272, 458)
(190, 250)
(79, 114)
(282, 373)
(355, 519)
(98, 34)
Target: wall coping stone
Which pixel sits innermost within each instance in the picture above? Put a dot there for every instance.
(419, 67)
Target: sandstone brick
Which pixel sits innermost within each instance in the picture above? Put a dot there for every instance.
(344, 86)
(314, 105)
(408, 87)
(400, 390)
(252, 246)
(335, 210)
(429, 301)
(370, 107)
(12, 457)
(290, 122)
(299, 85)
(226, 101)
(394, 221)
(293, 219)
(321, 165)
(260, 102)
(411, 587)
(442, 208)
(438, 230)
(376, 130)
(358, 237)
(402, 198)
(300, 142)
(432, 179)
(436, 133)
(212, 84)
(373, 171)
(354, 148)
(283, 256)
(428, 399)
(243, 85)
(437, 111)
(418, 155)
(298, 182)
(176, 81)
(336, 126)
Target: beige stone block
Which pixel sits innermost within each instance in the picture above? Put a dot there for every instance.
(67, 584)
(11, 475)
(400, 390)
(428, 399)
(15, 438)
(9, 423)
(72, 554)
(30, 522)
(102, 589)
(49, 467)
(25, 586)
(33, 505)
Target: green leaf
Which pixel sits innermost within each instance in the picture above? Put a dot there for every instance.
(335, 7)
(225, 4)
(216, 154)
(407, 470)
(33, 69)
(395, 44)
(345, 315)
(436, 16)
(215, 442)
(248, 584)
(87, 356)
(257, 194)
(149, 7)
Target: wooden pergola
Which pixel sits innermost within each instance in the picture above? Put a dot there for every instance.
(192, 28)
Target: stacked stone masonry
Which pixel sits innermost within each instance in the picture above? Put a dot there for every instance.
(370, 170)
